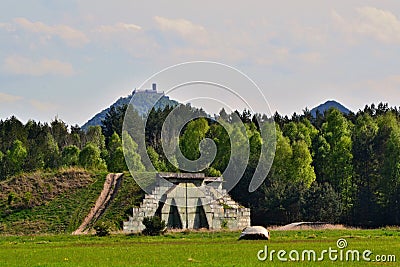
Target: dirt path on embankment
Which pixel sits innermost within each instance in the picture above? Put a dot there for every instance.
(110, 188)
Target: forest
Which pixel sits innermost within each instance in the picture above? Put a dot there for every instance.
(331, 168)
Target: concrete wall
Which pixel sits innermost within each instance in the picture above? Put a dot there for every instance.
(180, 201)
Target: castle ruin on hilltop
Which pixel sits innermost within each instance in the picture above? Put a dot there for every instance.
(153, 90)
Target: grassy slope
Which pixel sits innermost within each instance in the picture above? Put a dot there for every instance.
(188, 249)
(61, 208)
(58, 202)
(129, 194)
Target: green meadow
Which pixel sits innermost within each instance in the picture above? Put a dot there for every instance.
(195, 249)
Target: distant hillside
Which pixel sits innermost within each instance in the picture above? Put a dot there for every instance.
(143, 102)
(327, 105)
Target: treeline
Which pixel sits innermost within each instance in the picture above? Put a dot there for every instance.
(332, 168)
(41, 146)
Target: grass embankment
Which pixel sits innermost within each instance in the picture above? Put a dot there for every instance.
(129, 195)
(57, 202)
(190, 249)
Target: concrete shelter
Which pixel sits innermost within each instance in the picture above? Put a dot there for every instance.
(189, 201)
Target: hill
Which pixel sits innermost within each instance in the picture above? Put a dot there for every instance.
(327, 105)
(57, 202)
(143, 102)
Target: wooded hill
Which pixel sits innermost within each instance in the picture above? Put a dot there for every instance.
(143, 102)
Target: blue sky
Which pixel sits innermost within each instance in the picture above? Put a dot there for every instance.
(72, 59)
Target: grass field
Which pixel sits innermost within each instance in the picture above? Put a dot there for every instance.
(192, 249)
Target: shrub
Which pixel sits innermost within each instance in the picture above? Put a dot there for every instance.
(102, 229)
(154, 226)
(224, 224)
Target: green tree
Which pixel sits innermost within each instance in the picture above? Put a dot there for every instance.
(15, 157)
(114, 143)
(301, 168)
(51, 153)
(59, 131)
(191, 144)
(255, 142)
(366, 169)
(307, 131)
(388, 147)
(321, 203)
(154, 123)
(280, 202)
(134, 126)
(280, 196)
(290, 130)
(2, 165)
(158, 164)
(113, 121)
(337, 167)
(95, 136)
(70, 155)
(36, 148)
(268, 208)
(301, 135)
(221, 138)
(237, 174)
(241, 191)
(10, 130)
(116, 159)
(75, 136)
(190, 141)
(321, 150)
(282, 161)
(133, 159)
(89, 158)
(223, 115)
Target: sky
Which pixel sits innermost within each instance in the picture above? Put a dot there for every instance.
(72, 59)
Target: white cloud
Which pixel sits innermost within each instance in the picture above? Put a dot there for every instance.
(274, 56)
(130, 38)
(381, 25)
(389, 85)
(311, 57)
(7, 98)
(24, 66)
(384, 89)
(70, 35)
(312, 36)
(42, 106)
(7, 26)
(184, 28)
(118, 27)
